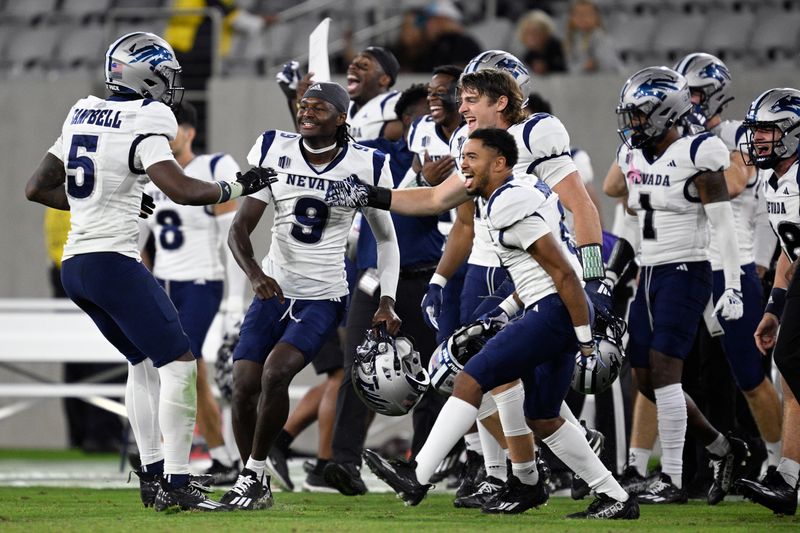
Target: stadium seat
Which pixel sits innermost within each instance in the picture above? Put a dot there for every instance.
(29, 51)
(28, 10)
(83, 48)
(82, 9)
(728, 33)
(677, 33)
(493, 34)
(633, 34)
(775, 34)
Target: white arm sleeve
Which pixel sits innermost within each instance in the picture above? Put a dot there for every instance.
(720, 214)
(388, 251)
(235, 280)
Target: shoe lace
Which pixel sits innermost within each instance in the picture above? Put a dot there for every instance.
(243, 484)
(487, 487)
(658, 486)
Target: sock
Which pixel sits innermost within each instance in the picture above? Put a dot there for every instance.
(790, 470)
(453, 421)
(473, 442)
(177, 480)
(256, 466)
(526, 472)
(220, 453)
(638, 458)
(672, 419)
(319, 468)
(566, 413)
(176, 413)
(141, 403)
(512, 416)
(494, 456)
(154, 468)
(773, 452)
(283, 441)
(720, 447)
(569, 445)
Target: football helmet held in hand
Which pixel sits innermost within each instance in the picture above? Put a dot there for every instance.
(452, 354)
(387, 373)
(596, 373)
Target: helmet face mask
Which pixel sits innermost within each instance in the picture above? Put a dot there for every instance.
(387, 373)
(773, 117)
(651, 102)
(144, 64)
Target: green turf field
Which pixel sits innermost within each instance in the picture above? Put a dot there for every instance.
(33, 509)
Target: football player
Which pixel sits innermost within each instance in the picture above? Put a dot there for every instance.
(300, 286)
(188, 266)
(710, 83)
(675, 185)
(773, 127)
(524, 222)
(97, 169)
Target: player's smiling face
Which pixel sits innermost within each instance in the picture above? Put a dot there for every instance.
(478, 110)
(363, 77)
(475, 163)
(764, 139)
(441, 97)
(318, 118)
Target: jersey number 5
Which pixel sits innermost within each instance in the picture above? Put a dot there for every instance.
(84, 163)
(311, 215)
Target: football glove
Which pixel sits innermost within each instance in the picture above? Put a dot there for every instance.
(730, 306)
(288, 77)
(256, 179)
(350, 192)
(599, 292)
(432, 305)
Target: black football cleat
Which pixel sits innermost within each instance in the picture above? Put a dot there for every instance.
(727, 469)
(249, 493)
(661, 491)
(315, 482)
(471, 475)
(632, 481)
(483, 493)
(219, 474)
(345, 477)
(187, 498)
(399, 475)
(148, 486)
(607, 508)
(278, 468)
(773, 492)
(516, 497)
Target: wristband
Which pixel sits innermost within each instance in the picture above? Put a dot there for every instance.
(228, 190)
(379, 198)
(438, 279)
(584, 334)
(592, 261)
(509, 306)
(777, 299)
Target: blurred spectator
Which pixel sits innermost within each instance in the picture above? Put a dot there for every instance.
(589, 48)
(191, 37)
(89, 428)
(543, 51)
(446, 42)
(410, 49)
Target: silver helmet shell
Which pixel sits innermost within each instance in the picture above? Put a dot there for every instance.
(709, 75)
(388, 374)
(777, 109)
(650, 103)
(144, 64)
(502, 60)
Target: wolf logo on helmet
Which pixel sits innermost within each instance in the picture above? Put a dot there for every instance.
(774, 109)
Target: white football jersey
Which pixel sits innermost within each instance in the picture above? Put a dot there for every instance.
(783, 206)
(544, 153)
(368, 121)
(746, 206)
(426, 136)
(101, 145)
(306, 255)
(662, 192)
(186, 236)
(517, 214)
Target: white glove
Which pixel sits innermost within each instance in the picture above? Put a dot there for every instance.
(730, 306)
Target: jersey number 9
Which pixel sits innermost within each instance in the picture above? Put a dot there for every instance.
(312, 216)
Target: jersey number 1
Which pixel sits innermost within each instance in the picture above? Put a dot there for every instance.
(83, 162)
(649, 230)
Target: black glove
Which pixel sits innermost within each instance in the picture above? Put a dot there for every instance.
(147, 206)
(256, 179)
(350, 192)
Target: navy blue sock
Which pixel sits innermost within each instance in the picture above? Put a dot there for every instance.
(154, 468)
(177, 480)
